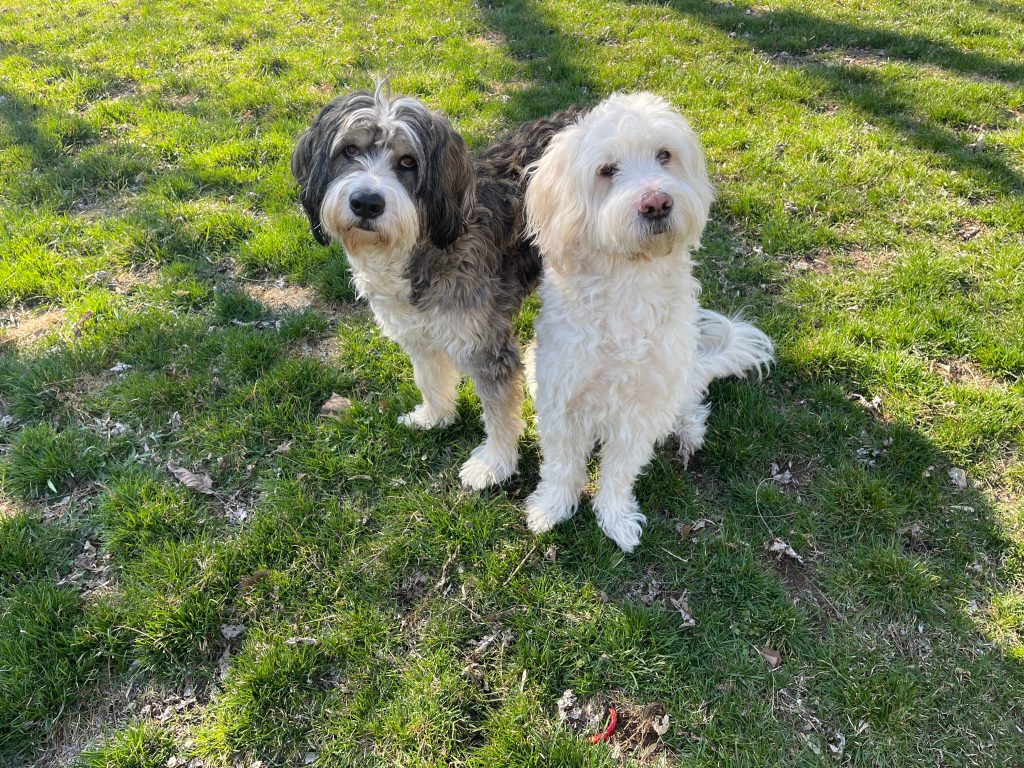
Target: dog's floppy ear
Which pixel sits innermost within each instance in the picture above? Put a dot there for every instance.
(555, 212)
(446, 184)
(309, 169)
(311, 160)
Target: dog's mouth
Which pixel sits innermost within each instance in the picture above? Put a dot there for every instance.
(658, 227)
(355, 237)
(656, 238)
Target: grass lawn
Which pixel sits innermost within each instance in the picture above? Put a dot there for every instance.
(338, 599)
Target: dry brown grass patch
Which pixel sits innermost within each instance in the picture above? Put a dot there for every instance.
(24, 327)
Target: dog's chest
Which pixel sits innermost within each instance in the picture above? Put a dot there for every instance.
(415, 328)
(635, 319)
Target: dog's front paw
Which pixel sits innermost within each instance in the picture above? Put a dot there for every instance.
(546, 508)
(422, 417)
(487, 467)
(622, 523)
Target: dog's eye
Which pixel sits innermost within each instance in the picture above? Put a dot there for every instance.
(350, 150)
(608, 170)
(664, 156)
(407, 162)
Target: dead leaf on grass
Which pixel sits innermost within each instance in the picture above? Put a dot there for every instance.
(968, 230)
(301, 641)
(685, 530)
(231, 631)
(958, 478)
(682, 605)
(224, 664)
(76, 329)
(200, 483)
(837, 744)
(770, 655)
(335, 405)
(247, 582)
(780, 475)
(873, 406)
(502, 636)
(911, 535)
(120, 368)
(660, 725)
(91, 569)
(579, 715)
(782, 549)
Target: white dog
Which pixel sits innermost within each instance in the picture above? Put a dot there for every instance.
(624, 354)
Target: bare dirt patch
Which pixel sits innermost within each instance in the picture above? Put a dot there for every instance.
(9, 507)
(95, 207)
(857, 57)
(494, 39)
(23, 327)
(968, 229)
(281, 296)
(326, 349)
(829, 260)
(801, 585)
(109, 707)
(959, 370)
(634, 731)
(105, 709)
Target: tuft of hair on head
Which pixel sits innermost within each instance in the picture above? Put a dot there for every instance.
(382, 94)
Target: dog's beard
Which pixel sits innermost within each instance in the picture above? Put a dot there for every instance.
(625, 234)
(363, 233)
(396, 229)
(619, 230)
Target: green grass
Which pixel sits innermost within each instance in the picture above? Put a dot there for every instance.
(146, 206)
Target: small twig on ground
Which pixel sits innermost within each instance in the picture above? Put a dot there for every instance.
(516, 570)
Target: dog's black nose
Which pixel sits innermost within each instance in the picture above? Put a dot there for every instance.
(366, 204)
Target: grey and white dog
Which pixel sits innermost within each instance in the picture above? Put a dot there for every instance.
(435, 241)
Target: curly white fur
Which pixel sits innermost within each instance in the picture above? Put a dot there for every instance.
(624, 353)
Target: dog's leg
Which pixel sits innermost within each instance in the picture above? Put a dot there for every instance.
(565, 442)
(690, 426)
(438, 381)
(624, 452)
(499, 384)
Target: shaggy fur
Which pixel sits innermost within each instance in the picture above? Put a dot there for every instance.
(624, 353)
(434, 238)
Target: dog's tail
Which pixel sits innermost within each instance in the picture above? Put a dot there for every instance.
(730, 346)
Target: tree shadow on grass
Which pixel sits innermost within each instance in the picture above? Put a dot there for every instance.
(137, 207)
(551, 62)
(793, 38)
(1003, 10)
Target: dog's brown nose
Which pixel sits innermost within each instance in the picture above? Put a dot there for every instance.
(655, 205)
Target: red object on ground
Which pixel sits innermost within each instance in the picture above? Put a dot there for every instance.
(613, 720)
